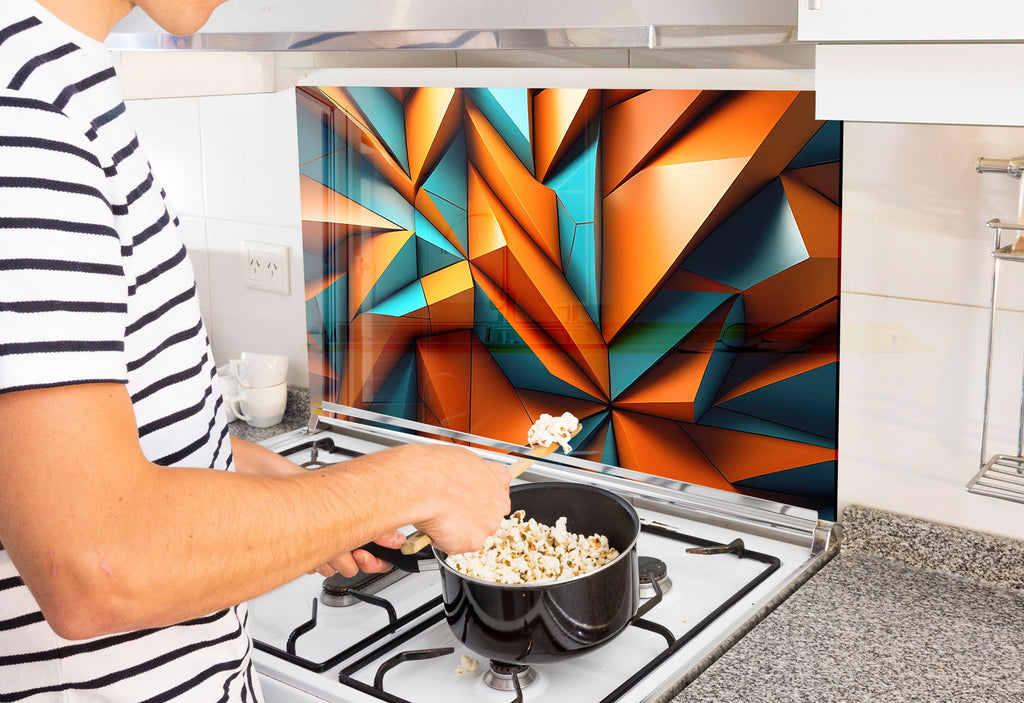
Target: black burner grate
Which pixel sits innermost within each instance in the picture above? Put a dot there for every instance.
(386, 642)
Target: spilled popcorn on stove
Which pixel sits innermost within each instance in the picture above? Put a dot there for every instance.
(525, 551)
(549, 430)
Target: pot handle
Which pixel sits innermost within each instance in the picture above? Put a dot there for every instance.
(414, 563)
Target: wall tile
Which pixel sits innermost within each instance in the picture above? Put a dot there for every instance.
(911, 403)
(914, 210)
(193, 233)
(250, 158)
(168, 131)
(244, 319)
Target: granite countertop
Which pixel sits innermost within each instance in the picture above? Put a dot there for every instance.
(909, 610)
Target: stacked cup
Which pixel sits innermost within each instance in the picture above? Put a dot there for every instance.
(262, 392)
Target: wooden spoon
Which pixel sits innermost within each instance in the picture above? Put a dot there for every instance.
(418, 540)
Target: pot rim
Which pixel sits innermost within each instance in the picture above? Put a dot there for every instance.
(441, 556)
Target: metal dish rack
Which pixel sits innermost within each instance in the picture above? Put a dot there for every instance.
(1001, 475)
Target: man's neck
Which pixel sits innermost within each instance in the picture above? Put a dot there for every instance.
(94, 18)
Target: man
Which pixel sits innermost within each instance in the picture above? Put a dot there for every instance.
(124, 555)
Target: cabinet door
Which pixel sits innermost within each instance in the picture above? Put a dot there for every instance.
(910, 20)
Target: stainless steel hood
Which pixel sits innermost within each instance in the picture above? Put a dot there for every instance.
(358, 25)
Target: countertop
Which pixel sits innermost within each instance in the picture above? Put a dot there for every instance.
(909, 610)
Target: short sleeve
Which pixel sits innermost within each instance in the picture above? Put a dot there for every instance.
(63, 292)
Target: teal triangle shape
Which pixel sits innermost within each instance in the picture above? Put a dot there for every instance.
(399, 274)
(508, 111)
(316, 137)
(512, 355)
(731, 420)
(404, 302)
(331, 305)
(824, 147)
(457, 218)
(806, 402)
(449, 180)
(580, 266)
(811, 480)
(575, 180)
(758, 241)
(719, 365)
(433, 251)
(664, 322)
(346, 172)
(610, 455)
(386, 117)
(398, 396)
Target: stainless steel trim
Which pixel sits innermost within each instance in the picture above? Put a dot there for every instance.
(792, 523)
(626, 37)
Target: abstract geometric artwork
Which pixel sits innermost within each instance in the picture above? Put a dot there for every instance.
(662, 263)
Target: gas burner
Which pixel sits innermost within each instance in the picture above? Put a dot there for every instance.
(340, 591)
(652, 568)
(314, 463)
(501, 676)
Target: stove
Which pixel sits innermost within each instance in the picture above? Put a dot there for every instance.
(712, 565)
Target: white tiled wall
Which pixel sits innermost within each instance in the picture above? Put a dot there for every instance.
(915, 279)
(916, 283)
(230, 167)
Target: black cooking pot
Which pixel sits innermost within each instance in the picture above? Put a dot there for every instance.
(542, 622)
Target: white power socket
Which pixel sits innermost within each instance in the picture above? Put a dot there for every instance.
(265, 266)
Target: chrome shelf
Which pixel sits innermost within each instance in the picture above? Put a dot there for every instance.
(1001, 475)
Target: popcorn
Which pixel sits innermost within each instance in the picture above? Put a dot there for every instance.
(525, 551)
(550, 430)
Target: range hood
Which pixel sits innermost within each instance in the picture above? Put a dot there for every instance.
(358, 25)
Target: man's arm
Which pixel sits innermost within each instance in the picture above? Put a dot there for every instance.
(250, 458)
(98, 532)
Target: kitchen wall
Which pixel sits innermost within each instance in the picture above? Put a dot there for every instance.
(229, 166)
(916, 277)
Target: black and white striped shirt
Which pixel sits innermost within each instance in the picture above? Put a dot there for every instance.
(95, 286)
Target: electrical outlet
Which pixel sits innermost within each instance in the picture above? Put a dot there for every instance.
(265, 266)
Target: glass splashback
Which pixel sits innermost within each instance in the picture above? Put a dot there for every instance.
(664, 264)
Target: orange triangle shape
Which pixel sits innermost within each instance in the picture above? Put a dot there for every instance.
(826, 179)
(496, 411)
(352, 128)
(532, 204)
(321, 204)
(634, 129)
(432, 116)
(443, 364)
(816, 216)
(560, 116)
(551, 356)
(731, 452)
(660, 447)
(375, 252)
(377, 343)
(539, 402)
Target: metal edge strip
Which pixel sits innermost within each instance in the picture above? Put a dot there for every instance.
(774, 516)
(627, 37)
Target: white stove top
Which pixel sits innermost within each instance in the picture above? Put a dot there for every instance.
(775, 559)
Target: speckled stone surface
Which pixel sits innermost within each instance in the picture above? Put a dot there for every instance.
(296, 414)
(886, 628)
(953, 550)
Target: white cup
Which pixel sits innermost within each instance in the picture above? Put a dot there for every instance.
(228, 387)
(260, 370)
(260, 407)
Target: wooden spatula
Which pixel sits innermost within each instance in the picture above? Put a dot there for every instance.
(418, 540)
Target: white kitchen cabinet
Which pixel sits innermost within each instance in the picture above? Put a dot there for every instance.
(931, 83)
(910, 20)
